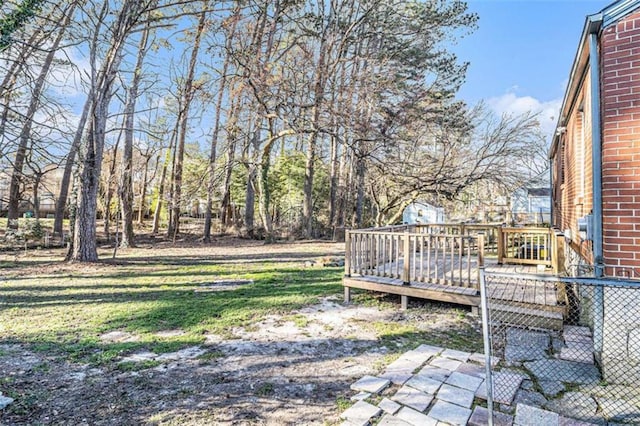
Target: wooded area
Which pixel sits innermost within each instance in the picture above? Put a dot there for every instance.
(265, 117)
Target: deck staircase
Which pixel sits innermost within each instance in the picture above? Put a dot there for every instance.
(529, 316)
(531, 301)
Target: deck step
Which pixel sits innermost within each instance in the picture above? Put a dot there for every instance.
(526, 317)
(559, 309)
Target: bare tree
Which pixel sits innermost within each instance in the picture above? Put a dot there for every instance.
(126, 184)
(232, 24)
(102, 80)
(25, 134)
(69, 164)
(187, 94)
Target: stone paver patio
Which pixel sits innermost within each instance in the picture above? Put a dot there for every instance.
(426, 386)
(437, 386)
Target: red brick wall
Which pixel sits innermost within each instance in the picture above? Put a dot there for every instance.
(620, 87)
(573, 196)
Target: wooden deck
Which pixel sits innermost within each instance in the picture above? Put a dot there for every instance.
(543, 294)
(439, 292)
(412, 261)
(529, 292)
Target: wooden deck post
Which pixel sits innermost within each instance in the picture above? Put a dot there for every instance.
(404, 302)
(347, 264)
(347, 295)
(557, 253)
(347, 253)
(501, 245)
(560, 250)
(557, 261)
(407, 259)
(552, 251)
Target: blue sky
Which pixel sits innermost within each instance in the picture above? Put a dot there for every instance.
(522, 52)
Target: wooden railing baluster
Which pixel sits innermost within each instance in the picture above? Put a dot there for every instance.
(433, 257)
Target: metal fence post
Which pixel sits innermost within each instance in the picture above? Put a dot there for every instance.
(480, 255)
(487, 344)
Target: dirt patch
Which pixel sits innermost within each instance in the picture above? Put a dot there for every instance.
(222, 285)
(118, 337)
(282, 371)
(293, 368)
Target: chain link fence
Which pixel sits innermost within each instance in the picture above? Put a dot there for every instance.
(566, 350)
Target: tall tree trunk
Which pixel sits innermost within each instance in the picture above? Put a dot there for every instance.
(249, 202)
(84, 238)
(69, 163)
(25, 134)
(187, 94)
(226, 214)
(344, 189)
(216, 130)
(206, 237)
(36, 195)
(143, 188)
(359, 210)
(111, 181)
(335, 171)
(252, 174)
(126, 184)
(163, 178)
(318, 100)
(226, 217)
(263, 182)
(333, 181)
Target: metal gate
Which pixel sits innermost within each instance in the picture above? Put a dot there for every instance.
(561, 350)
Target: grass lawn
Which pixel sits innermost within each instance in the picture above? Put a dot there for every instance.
(64, 309)
(280, 348)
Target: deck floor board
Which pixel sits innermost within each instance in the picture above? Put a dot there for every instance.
(519, 291)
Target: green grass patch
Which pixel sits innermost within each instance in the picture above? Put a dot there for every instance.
(211, 355)
(402, 336)
(373, 299)
(265, 389)
(66, 312)
(387, 359)
(299, 320)
(137, 365)
(343, 403)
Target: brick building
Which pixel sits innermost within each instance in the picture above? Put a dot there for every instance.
(595, 153)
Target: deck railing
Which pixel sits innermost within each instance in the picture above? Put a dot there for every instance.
(527, 246)
(447, 254)
(490, 231)
(399, 253)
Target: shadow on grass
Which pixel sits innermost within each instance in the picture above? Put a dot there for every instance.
(304, 386)
(184, 309)
(278, 257)
(460, 338)
(81, 315)
(22, 263)
(127, 275)
(267, 282)
(287, 374)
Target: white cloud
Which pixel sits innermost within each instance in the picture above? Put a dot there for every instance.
(510, 103)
